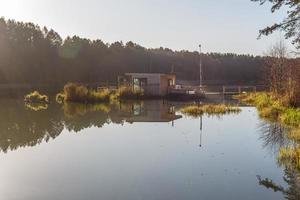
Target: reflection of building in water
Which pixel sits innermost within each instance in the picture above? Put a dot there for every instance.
(148, 111)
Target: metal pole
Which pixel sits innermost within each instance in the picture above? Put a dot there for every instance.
(200, 131)
(200, 65)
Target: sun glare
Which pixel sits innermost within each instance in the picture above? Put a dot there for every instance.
(11, 9)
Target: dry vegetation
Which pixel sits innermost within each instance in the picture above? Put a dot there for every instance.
(221, 109)
(78, 93)
(128, 93)
(36, 97)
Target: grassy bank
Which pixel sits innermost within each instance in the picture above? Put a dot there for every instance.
(275, 109)
(272, 108)
(221, 109)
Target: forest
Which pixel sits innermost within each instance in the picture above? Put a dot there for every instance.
(34, 56)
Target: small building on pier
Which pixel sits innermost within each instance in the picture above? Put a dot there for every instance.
(152, 84)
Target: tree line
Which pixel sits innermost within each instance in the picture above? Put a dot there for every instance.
(33, 55)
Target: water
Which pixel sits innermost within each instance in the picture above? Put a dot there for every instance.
(145, 150)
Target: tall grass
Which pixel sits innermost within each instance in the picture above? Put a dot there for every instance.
(128, 93)
(272, 108)
(81, 94)
(290, 157)
(36, 97)
(294, 135)
(221, 109)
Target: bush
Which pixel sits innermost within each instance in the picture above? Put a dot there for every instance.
(36, 97)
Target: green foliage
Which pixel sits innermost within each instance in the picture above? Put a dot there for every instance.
(81, 94)
(128, 93)
(273, 108)
(291, 117)
(36, 97)
(222, 109)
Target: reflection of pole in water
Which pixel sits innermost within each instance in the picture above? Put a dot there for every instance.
(200, 131)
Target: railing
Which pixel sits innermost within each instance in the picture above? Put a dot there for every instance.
(237, 89)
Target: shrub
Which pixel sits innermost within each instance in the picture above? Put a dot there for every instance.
(36, 97)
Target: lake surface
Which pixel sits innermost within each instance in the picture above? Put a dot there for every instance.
(133, 151)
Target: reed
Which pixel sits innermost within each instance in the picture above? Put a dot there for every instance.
(220, 109)
(128, 93)
(81, 94)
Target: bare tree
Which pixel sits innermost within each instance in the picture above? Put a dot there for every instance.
(283, 73)
(277, 63)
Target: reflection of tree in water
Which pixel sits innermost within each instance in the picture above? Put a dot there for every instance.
(273, 136)
(20, 127)
(81, 116)
(292, 178)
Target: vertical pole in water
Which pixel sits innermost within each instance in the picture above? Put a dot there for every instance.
(200, 131)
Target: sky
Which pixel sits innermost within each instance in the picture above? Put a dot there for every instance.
(218, 25)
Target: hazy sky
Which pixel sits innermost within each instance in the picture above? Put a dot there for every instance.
(219, 25)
